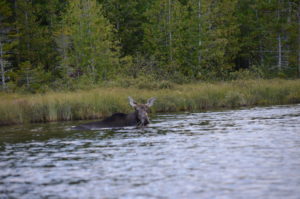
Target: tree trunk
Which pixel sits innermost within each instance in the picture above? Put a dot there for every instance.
(2, 67)
(170, 30)
(299, 39)
(17, 31)
(289, 23)
(199, 31)
(118, 21)
(279, 52)
(28, 36)
(27, 79)
(279, 64)
(261, 52)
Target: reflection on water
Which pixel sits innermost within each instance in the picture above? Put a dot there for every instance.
(251, 153)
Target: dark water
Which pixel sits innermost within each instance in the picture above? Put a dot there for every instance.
(251, 153)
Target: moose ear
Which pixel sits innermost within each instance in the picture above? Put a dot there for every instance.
(131, 101)
(150, 101)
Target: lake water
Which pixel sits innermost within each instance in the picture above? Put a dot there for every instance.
(248, 153)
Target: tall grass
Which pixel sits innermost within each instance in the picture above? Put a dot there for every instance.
(100, 102)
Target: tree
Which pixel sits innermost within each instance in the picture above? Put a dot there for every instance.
(127, 18)
(164, 35)
(7, 41)
(220, 41)
(298, 15)
(268, 35)
(92, 49)
(31, 78)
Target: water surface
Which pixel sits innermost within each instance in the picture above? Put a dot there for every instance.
(249, 153)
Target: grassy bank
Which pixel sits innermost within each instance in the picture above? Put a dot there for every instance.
(100, 102)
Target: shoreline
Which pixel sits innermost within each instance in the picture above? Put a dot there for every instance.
(103, 101)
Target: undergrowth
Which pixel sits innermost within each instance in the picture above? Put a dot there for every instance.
(103, 101)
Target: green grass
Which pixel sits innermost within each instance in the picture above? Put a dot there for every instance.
(100, 102)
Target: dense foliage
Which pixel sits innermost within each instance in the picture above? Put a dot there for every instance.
(66, 44)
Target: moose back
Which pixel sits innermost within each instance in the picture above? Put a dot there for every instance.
(137, 118)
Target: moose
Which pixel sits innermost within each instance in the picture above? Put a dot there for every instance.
(137, 118)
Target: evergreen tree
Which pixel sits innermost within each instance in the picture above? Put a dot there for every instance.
(29, 32)
(298, 25)
(220, 40)
(168, 39)
(91, 49)
(268, 34)
(31, 78)
(7, 41)
(127, 17)
(49, 15)
(164, 35)
(35, 23)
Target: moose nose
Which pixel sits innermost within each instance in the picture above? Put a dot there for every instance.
(145, 121)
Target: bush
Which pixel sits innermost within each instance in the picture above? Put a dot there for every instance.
(141, 82)
(246, 74)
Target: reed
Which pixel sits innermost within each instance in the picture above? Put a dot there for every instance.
(100, 102)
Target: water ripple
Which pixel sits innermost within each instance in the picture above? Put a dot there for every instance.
(248, 153)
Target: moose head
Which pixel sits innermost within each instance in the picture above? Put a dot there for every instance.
(142, 110)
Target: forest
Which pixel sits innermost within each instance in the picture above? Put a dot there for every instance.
(65, 45)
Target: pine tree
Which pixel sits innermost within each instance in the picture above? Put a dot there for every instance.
(127, 18)
(29, 34)
(49, 15)
(164, 35)
(217, 30)
(268, 34)
(34, 23)
(31, 78)
(91, 50)
(298, 16)
(7, 41)
(194, 37)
